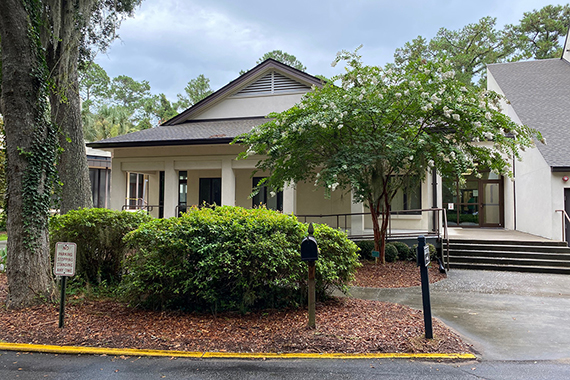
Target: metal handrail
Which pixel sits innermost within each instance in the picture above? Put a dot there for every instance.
(148, 208)
(398, 212)
(445, 238)
(564, 215)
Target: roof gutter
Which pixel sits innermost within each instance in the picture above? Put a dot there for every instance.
(558, 169)
(136, 144)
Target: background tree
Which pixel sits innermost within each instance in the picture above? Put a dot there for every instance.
(42, 42)
(540, 33)
(282, 57)
(196, 90)
(380, 129)
(469, 49)
(120, 105)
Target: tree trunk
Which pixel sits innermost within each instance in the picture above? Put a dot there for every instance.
(27, 130)
(379, 232)
(62, 60)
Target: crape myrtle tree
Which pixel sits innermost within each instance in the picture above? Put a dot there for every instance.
(372, 131)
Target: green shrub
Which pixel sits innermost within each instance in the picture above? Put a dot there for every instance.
(3, 260)
(366, 248)
(403, 250)
(231, 258)
(390, 253)
(432, 253)
(98, 234)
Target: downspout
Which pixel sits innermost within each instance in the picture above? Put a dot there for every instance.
(514, 195)
(434, 197)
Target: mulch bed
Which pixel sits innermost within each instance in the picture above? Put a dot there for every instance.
(400, 274)
(343, 325)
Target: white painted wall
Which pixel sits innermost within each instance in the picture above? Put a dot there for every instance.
(250, 106)
(566, 53)
(534, 195)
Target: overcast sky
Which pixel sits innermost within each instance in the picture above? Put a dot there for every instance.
(169, 42)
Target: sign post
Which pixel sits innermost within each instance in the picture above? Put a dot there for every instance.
(423, 262)
(64, 266)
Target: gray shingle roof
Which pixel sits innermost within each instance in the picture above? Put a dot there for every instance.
(193, 132)
(539, 92)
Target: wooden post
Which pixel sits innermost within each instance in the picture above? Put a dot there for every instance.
(312, 323)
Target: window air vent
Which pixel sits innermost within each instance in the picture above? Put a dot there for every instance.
(272, 83)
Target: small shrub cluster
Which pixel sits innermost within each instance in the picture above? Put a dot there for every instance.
(231, 258)
(394, 251)
(98, 234)
(3, 260)
(366, 248)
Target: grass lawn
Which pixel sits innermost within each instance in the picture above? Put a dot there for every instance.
(3, 236)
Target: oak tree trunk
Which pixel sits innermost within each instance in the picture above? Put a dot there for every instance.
(62, 60)
(28, 260)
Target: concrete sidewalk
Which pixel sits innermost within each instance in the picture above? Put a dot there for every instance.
(505, 315)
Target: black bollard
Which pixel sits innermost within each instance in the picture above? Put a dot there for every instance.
(423, 262)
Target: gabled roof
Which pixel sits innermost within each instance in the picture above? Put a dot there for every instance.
(539, 92)
(248, 78)
(182, 130)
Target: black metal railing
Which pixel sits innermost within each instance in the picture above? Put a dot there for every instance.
(341, 221)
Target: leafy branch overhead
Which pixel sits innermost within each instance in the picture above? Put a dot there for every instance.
(373, 130)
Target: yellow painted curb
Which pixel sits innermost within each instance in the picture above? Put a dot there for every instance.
(75, 350)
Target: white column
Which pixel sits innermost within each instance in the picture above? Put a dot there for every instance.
(118, 186)
(290, 199)
(170, 189)
(228, 183)
(356, 221)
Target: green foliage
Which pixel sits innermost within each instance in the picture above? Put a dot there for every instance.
(230, 258)
(469, 49)
(540, 33)
(98, 234)
(196, 90)
(281, 56)
(403, 250)
(391, 253)
(366, 248)
(3, 256)
(413, 256)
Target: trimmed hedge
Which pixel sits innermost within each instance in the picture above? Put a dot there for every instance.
(98, 234)
(231, 258)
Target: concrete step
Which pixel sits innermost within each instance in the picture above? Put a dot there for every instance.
(510, 242)
(508, 248)
(511, 254)
(525, 256)
(515, 261)
(511, 268)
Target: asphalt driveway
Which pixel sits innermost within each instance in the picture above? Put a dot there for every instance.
(505, 315)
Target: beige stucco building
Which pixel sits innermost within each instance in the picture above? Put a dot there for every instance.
(188, 160)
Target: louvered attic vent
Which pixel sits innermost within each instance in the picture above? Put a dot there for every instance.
(272, 83)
